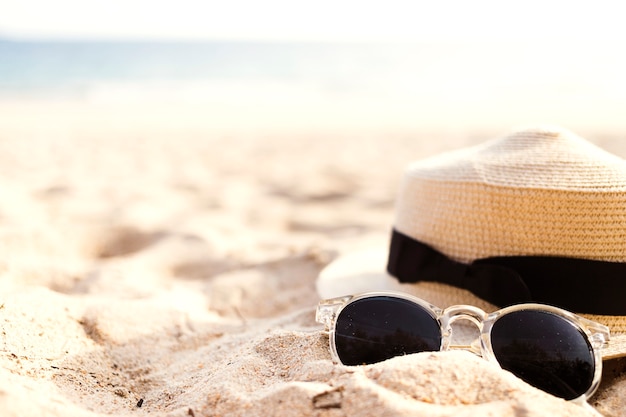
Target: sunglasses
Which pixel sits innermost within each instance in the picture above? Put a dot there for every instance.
(547, 347)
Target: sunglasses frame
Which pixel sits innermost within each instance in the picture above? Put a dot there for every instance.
(597, 334)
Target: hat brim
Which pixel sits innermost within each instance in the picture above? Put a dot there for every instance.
(364, 271)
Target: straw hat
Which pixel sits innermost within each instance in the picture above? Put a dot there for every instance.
(535, 216)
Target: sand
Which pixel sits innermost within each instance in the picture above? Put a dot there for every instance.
(169, 270)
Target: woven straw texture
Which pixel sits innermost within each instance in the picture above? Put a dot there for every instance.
(540, 158)
(535, 192)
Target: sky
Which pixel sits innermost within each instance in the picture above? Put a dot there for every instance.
(321, 20)
(559, 60)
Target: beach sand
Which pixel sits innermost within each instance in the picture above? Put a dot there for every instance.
(161, 269)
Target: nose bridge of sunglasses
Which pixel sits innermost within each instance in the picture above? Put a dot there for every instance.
(462, 327)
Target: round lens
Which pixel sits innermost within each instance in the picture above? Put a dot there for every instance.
(545, 350)
(376, 328)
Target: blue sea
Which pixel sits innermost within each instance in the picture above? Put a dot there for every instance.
(64, 67)
(403, 82)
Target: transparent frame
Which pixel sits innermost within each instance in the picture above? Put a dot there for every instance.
(596, 333)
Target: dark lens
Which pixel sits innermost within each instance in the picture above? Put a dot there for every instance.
(376, 328)
(545, 350)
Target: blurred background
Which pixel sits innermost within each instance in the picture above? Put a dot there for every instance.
(244, 67)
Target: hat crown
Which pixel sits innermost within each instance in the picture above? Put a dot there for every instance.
(542, 191)
(544, 157)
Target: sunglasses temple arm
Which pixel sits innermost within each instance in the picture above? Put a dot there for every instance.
(600, 334)
(327, 310)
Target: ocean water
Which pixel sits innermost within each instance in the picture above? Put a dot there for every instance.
(402, 84)
(65, 67)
